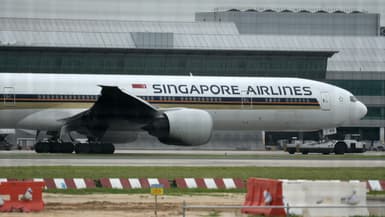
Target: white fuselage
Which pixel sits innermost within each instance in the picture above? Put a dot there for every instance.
(42, 101)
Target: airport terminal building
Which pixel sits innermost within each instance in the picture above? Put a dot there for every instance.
(345, 48)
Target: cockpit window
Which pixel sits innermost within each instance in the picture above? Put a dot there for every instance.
(353, 99)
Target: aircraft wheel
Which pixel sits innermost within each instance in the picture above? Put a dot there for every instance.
(291, 151)
(96, 148)
(62, 147)
(77, 148)
(82, 148)
(67, 147)
(340, 148)
(108, 148)
(42, 147)
(55, 147)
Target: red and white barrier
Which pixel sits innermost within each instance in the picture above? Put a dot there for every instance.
(30, 192)
(132, 183)
(376, 185)
(6, 180)
(191, 183)
(209, 183)
(68, 183)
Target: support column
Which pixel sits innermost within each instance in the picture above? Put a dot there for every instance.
(382, 134)
(263, 135)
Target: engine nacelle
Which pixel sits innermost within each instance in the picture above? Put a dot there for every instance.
(183, 127)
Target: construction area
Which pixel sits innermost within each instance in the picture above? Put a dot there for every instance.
(266, 197)
(131, 205)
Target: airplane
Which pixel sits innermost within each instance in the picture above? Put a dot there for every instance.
(178, 110)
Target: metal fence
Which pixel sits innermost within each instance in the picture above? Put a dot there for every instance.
(186, 207)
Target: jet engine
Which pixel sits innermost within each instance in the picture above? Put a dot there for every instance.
(186, 127)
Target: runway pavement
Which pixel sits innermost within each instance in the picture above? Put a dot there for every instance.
(190, 158)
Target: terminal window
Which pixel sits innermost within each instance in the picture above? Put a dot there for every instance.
(160, 62)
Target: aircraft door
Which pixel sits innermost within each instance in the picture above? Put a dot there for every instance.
(325, 101)
(9, 96)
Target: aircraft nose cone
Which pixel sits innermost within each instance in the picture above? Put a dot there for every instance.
(361, 110)
(357, 111)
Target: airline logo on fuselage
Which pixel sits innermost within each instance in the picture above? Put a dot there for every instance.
(214, 89)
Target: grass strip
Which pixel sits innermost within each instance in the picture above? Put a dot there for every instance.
(193, 156)
(96, 172)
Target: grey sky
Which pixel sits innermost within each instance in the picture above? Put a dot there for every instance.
(170, 10)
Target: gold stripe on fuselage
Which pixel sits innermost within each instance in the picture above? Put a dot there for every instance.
(209, 106)
(45, 105)
(236, 107)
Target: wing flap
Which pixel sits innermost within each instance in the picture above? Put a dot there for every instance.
(113, 108)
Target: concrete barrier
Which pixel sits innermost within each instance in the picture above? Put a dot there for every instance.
(325, 193)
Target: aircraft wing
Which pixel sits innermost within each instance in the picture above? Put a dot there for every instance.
(113, 109)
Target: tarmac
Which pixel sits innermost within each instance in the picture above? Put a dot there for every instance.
(188, 158)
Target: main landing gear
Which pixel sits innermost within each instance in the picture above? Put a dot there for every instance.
(94, 148)
(79, 148)
(56, 144)
(54, 147)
